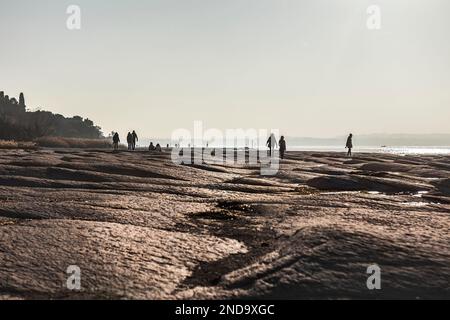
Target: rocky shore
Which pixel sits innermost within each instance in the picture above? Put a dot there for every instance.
(140, 227)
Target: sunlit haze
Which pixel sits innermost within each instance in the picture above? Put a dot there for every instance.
(308, 68)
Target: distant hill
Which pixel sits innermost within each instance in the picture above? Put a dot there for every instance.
(16, 123)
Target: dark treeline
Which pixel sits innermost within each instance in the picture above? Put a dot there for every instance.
(16, 123)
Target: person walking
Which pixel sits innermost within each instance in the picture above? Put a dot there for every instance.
(116, 141)
(282, 144)
(135, 139)
(349, 145)
(271, 142)
(130, 140)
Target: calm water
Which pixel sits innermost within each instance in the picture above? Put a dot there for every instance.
(394, 150)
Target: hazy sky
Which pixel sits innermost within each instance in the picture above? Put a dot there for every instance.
(306, 67)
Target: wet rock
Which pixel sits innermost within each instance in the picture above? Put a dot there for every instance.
(141, 227)
(385, 166)
(116, 261)
(359, 183)
(443, 186)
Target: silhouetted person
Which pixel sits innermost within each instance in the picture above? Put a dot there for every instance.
(135, 139)
(130, 140)
(151, 147)
(271, 142)
(158, 148)
(116, 141)
(349, 145)
(282, 144)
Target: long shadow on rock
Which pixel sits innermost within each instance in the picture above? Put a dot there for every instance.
(323, 263)
(229, 221)
(365, 183)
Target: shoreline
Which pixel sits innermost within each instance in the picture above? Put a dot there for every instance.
(141, 227)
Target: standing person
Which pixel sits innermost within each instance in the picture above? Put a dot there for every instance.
(116, 141)
(129, 140)
(135, 139)
(282, 144)
(349, 145)
(271, 142)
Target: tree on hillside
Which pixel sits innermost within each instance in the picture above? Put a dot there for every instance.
(22, 99)
(18, 124)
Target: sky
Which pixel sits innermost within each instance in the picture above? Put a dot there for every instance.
(305, 67)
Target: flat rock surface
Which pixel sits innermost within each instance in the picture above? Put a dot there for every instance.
(140, 227)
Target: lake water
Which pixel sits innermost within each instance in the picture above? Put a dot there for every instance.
(394, 150)
(407, 150)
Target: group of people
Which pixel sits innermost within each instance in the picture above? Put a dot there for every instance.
(271, 143)
(156, 148)
(132, 138)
